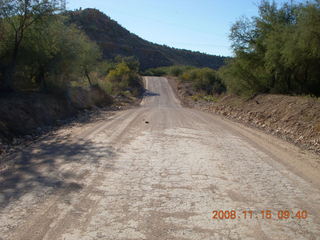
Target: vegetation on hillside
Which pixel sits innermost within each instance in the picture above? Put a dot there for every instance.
(277, 51)
(115, 40)
(41, 51)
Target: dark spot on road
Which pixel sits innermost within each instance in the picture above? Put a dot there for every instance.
(146, 122)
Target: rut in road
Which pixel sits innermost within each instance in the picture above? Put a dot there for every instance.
(158, 172)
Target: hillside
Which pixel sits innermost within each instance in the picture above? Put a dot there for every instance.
(115, 40)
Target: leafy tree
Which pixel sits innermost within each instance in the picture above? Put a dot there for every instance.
(89, 55)
(243, 35)
(301, 53)
(277, 51)
(20, 15)
(55, 54)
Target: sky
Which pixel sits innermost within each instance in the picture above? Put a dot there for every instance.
(198, 25)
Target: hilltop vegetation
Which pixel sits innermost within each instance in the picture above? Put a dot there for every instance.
(115, 40)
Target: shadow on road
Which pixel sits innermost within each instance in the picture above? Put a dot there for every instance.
(52, 166)
(148, 93)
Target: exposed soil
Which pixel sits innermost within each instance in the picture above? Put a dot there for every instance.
(293, 118)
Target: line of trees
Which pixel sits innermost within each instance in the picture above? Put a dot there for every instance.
(276, 52)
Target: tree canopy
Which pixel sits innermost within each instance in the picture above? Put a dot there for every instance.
(277, 51)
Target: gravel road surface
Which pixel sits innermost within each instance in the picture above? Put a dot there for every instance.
(160, 171)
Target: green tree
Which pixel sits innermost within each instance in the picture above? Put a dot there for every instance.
(277, 51)
(89, 56)
(55, 54)
(20, 15)
(301, 53)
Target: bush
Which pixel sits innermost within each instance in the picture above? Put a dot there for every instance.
(204, 79)
(176, 71)
(124, 77)
(155, 72)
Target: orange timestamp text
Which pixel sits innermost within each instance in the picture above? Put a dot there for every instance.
(263, 214)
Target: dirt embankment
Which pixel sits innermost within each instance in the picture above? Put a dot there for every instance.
(293, 118)
(26, 116)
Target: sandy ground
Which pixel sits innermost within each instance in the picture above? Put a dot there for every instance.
(158, 172)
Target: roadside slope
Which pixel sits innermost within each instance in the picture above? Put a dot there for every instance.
(293, 118)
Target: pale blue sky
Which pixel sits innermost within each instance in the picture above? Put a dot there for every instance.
(199, 25)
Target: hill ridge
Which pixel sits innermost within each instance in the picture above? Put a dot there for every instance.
(116, 40)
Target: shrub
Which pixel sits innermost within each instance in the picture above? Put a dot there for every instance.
(204, 79)
(123, 78)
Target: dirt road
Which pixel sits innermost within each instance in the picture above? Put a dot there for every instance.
(158, 172)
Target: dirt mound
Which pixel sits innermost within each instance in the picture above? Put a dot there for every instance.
(88, 98)
(21, 113)
(24, 113)
(293, 118)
